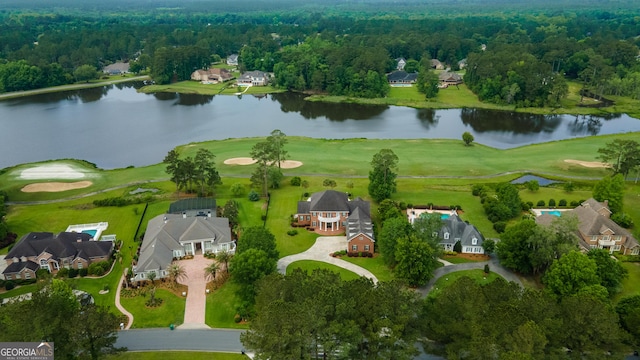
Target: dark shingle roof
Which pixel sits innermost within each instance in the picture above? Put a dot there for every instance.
(402, 76)
(359, 222)
(16, 267)
(329, 200)
(65, 244)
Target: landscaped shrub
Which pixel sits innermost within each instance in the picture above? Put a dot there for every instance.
(237, 318)
(9, 285)
(296, 181)
(569, 187)
(552, 203)
(486, 268)
(540, 203)
(254, 196)
(293, 232)
(118, 201)
(83, 272)
(530, 204)
(574, 203)
(525, 206)
(457, 247)
(479, 190)
(99, 268)
(562, 202)
(500, 226)
(64, 272)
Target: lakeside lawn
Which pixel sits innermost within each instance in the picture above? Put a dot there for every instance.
(170, 312)
(477, 275)
(630, 285)
(196, 87)
(175, 355)
(309, 265)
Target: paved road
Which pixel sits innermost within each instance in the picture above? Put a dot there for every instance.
(218, 340)
(320, 251)
(15, 94)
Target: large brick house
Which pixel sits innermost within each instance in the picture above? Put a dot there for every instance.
(596, 230)
(331, 212)
(212, 76)
(44, 250)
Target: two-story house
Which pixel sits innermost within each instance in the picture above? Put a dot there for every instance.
(331, 212)
(44, 250)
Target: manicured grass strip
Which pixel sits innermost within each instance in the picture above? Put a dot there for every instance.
(630, 285)
(477, 275)
(221, 307)
(459, 260)
(170, 312)
(374, 264)
(310, 265)
(175, 355)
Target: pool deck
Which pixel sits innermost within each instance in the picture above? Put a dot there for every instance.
(413, 213)
(97, 227)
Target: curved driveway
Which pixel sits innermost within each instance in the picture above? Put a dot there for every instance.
(494, 266)
(320, 251)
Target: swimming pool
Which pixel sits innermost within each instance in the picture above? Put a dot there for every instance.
(95, 229)
(553, 212)
(444, 216)
(91, 232)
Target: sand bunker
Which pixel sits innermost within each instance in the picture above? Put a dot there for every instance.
(240, 161)
(55, 186)
(286, 164)
(589, 164)
(51, 171)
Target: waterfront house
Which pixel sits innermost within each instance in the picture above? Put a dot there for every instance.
(253, 78)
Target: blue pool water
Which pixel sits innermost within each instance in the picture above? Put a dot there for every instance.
(444, 216)
(90, 232)
(554, 212)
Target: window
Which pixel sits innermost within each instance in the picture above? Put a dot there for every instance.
(592, 246)
(366, 248)
(313, 223)
(635, 251)
(616, 247)
(308, 218)
(18, 276)
(361, 238)
(80, 264)
(446, 236)
(606, 237)
(474, 241)
(27, 275)
(354, 247)
(44, 264)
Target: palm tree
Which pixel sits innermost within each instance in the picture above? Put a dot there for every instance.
(223, 257)
(152, 277)
(176, 272)
(211, 271)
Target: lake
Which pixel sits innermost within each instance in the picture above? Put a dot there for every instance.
(115, 126)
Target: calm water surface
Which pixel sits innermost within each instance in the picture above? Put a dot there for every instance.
(116, 126)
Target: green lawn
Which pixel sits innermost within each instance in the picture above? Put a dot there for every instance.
(309, 265)
(460, 260)
(374, 264)
(176, 355)
(170, 312)
(221, 307)
(477, 275)
(630, 285)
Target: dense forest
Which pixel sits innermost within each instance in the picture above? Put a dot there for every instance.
(522, 59)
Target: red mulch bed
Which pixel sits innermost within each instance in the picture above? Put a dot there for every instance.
(477, 257)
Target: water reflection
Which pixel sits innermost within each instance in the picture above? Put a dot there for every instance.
(292, 102)
(428, 118)
(93, 94)
(483, 120)
(191, 99)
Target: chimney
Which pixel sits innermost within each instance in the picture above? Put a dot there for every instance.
(184, 214)
(79, 240)
(606, 203)
(209, 213)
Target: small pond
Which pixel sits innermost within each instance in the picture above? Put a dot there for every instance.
(541, 181)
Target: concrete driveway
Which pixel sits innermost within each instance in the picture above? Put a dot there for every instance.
(196, 296)
(321, 251)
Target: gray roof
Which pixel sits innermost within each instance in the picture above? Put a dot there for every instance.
(591, 222)
(165, 233)
(256, 74)
(118, 67)
(359, 222)
(64, 245)
(331, 200)
(449, 76)
(459, 230)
